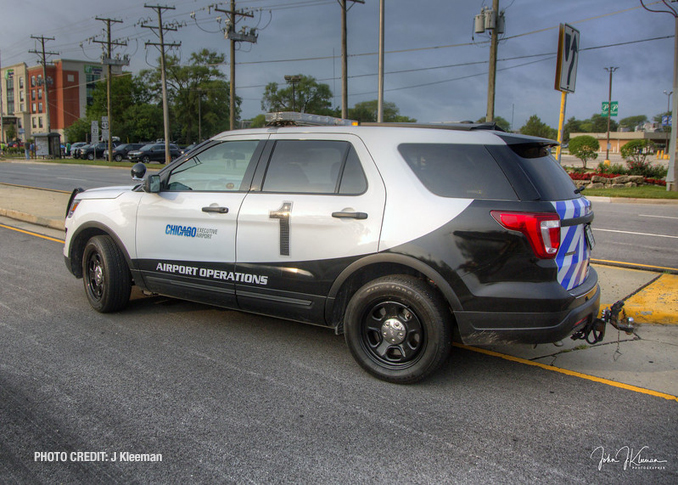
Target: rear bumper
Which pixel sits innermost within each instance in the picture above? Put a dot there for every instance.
(489, 328)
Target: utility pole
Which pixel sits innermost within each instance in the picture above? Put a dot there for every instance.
(492, 20)
(382, 28)
(672, 175)
(108, 60)
(344, 58)
(491, 83)
(293, 80)
(160, 33)
(609, 113)
(234, 37)
(44, 55)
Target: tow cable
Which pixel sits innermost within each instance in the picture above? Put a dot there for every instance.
(594, 331)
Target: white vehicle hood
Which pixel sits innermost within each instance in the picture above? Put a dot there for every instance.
(105, 192)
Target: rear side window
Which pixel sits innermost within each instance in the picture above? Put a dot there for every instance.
(460, 171)
(546, 174)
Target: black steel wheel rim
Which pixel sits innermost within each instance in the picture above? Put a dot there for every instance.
(392, 334)
(95, 276)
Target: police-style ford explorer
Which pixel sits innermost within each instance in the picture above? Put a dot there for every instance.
(399, 237)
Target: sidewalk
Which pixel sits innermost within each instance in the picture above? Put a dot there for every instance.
(647, 359)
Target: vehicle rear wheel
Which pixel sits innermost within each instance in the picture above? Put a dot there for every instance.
(398, 329)
(90, 156)
(118, 158)
(106, 276)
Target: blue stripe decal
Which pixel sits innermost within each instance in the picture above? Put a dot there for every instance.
(573, 256)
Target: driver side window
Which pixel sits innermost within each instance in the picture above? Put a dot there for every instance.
(220, 168)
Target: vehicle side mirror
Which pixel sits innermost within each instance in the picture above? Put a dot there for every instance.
(138, 171)
(152, 184)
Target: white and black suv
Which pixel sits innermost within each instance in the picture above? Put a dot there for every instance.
(399, 237)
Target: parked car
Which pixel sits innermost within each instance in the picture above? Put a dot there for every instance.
(95, 150)
(398, 237)
(153, 152)
(121, 151)
(76, 149)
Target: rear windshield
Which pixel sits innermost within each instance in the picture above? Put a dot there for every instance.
(456, 170)
(546, 174)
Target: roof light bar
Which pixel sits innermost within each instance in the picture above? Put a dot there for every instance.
(285, 118)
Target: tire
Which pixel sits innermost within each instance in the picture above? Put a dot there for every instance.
(106, 276)
(118, 158)
(146, 159)
(398, 329)
(90, 156)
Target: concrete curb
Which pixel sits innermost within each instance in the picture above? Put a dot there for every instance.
(40, 221)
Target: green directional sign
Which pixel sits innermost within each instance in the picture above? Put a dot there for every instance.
(606, 108)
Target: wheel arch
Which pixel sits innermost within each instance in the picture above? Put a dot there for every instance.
(375, 266)
(79, 241)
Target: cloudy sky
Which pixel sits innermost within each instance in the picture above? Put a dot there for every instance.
(436, 68)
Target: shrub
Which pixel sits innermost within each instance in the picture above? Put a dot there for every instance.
(637, 150)
(616, 168)
(584, 147)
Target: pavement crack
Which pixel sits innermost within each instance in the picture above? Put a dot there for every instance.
(555, 355)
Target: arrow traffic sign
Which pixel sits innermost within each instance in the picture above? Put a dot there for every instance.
(568, 57)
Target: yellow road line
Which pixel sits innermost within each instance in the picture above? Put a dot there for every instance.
(33, 233)
(632, 265)
(568, 372)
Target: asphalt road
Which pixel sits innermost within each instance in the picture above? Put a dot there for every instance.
(637, 233)
(66, 177)
(226, 397)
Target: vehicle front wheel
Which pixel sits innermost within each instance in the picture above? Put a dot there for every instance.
(118, 158)
(398, 329)
(106, 276)
(90, 156)
(146, 159)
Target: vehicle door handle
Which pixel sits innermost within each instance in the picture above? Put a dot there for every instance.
(218, 210)
(349, 215)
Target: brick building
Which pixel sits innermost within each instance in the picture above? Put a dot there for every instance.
(71, 86)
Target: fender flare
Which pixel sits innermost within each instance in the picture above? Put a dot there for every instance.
(99, 228)
(401, 259)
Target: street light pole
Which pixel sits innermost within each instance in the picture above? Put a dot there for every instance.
(609, 112)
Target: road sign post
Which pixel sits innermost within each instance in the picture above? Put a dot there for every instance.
(566, 72)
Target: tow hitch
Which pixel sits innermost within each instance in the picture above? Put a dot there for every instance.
(594, 331)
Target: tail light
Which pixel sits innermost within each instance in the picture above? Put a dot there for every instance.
(541, 229)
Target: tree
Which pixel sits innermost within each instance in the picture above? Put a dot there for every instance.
(11, 132)
(78, 131)
(366, 111)
(306, 96)
(535, 127)
(197, 93)
(598, 124)
(632, 121)
(258, 121)
(573, 125)
(585, 148)
(501, 122)
(127, 91)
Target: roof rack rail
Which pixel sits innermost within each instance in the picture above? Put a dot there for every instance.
(292, 118)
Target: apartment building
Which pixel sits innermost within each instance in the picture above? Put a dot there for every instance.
(68, 87)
